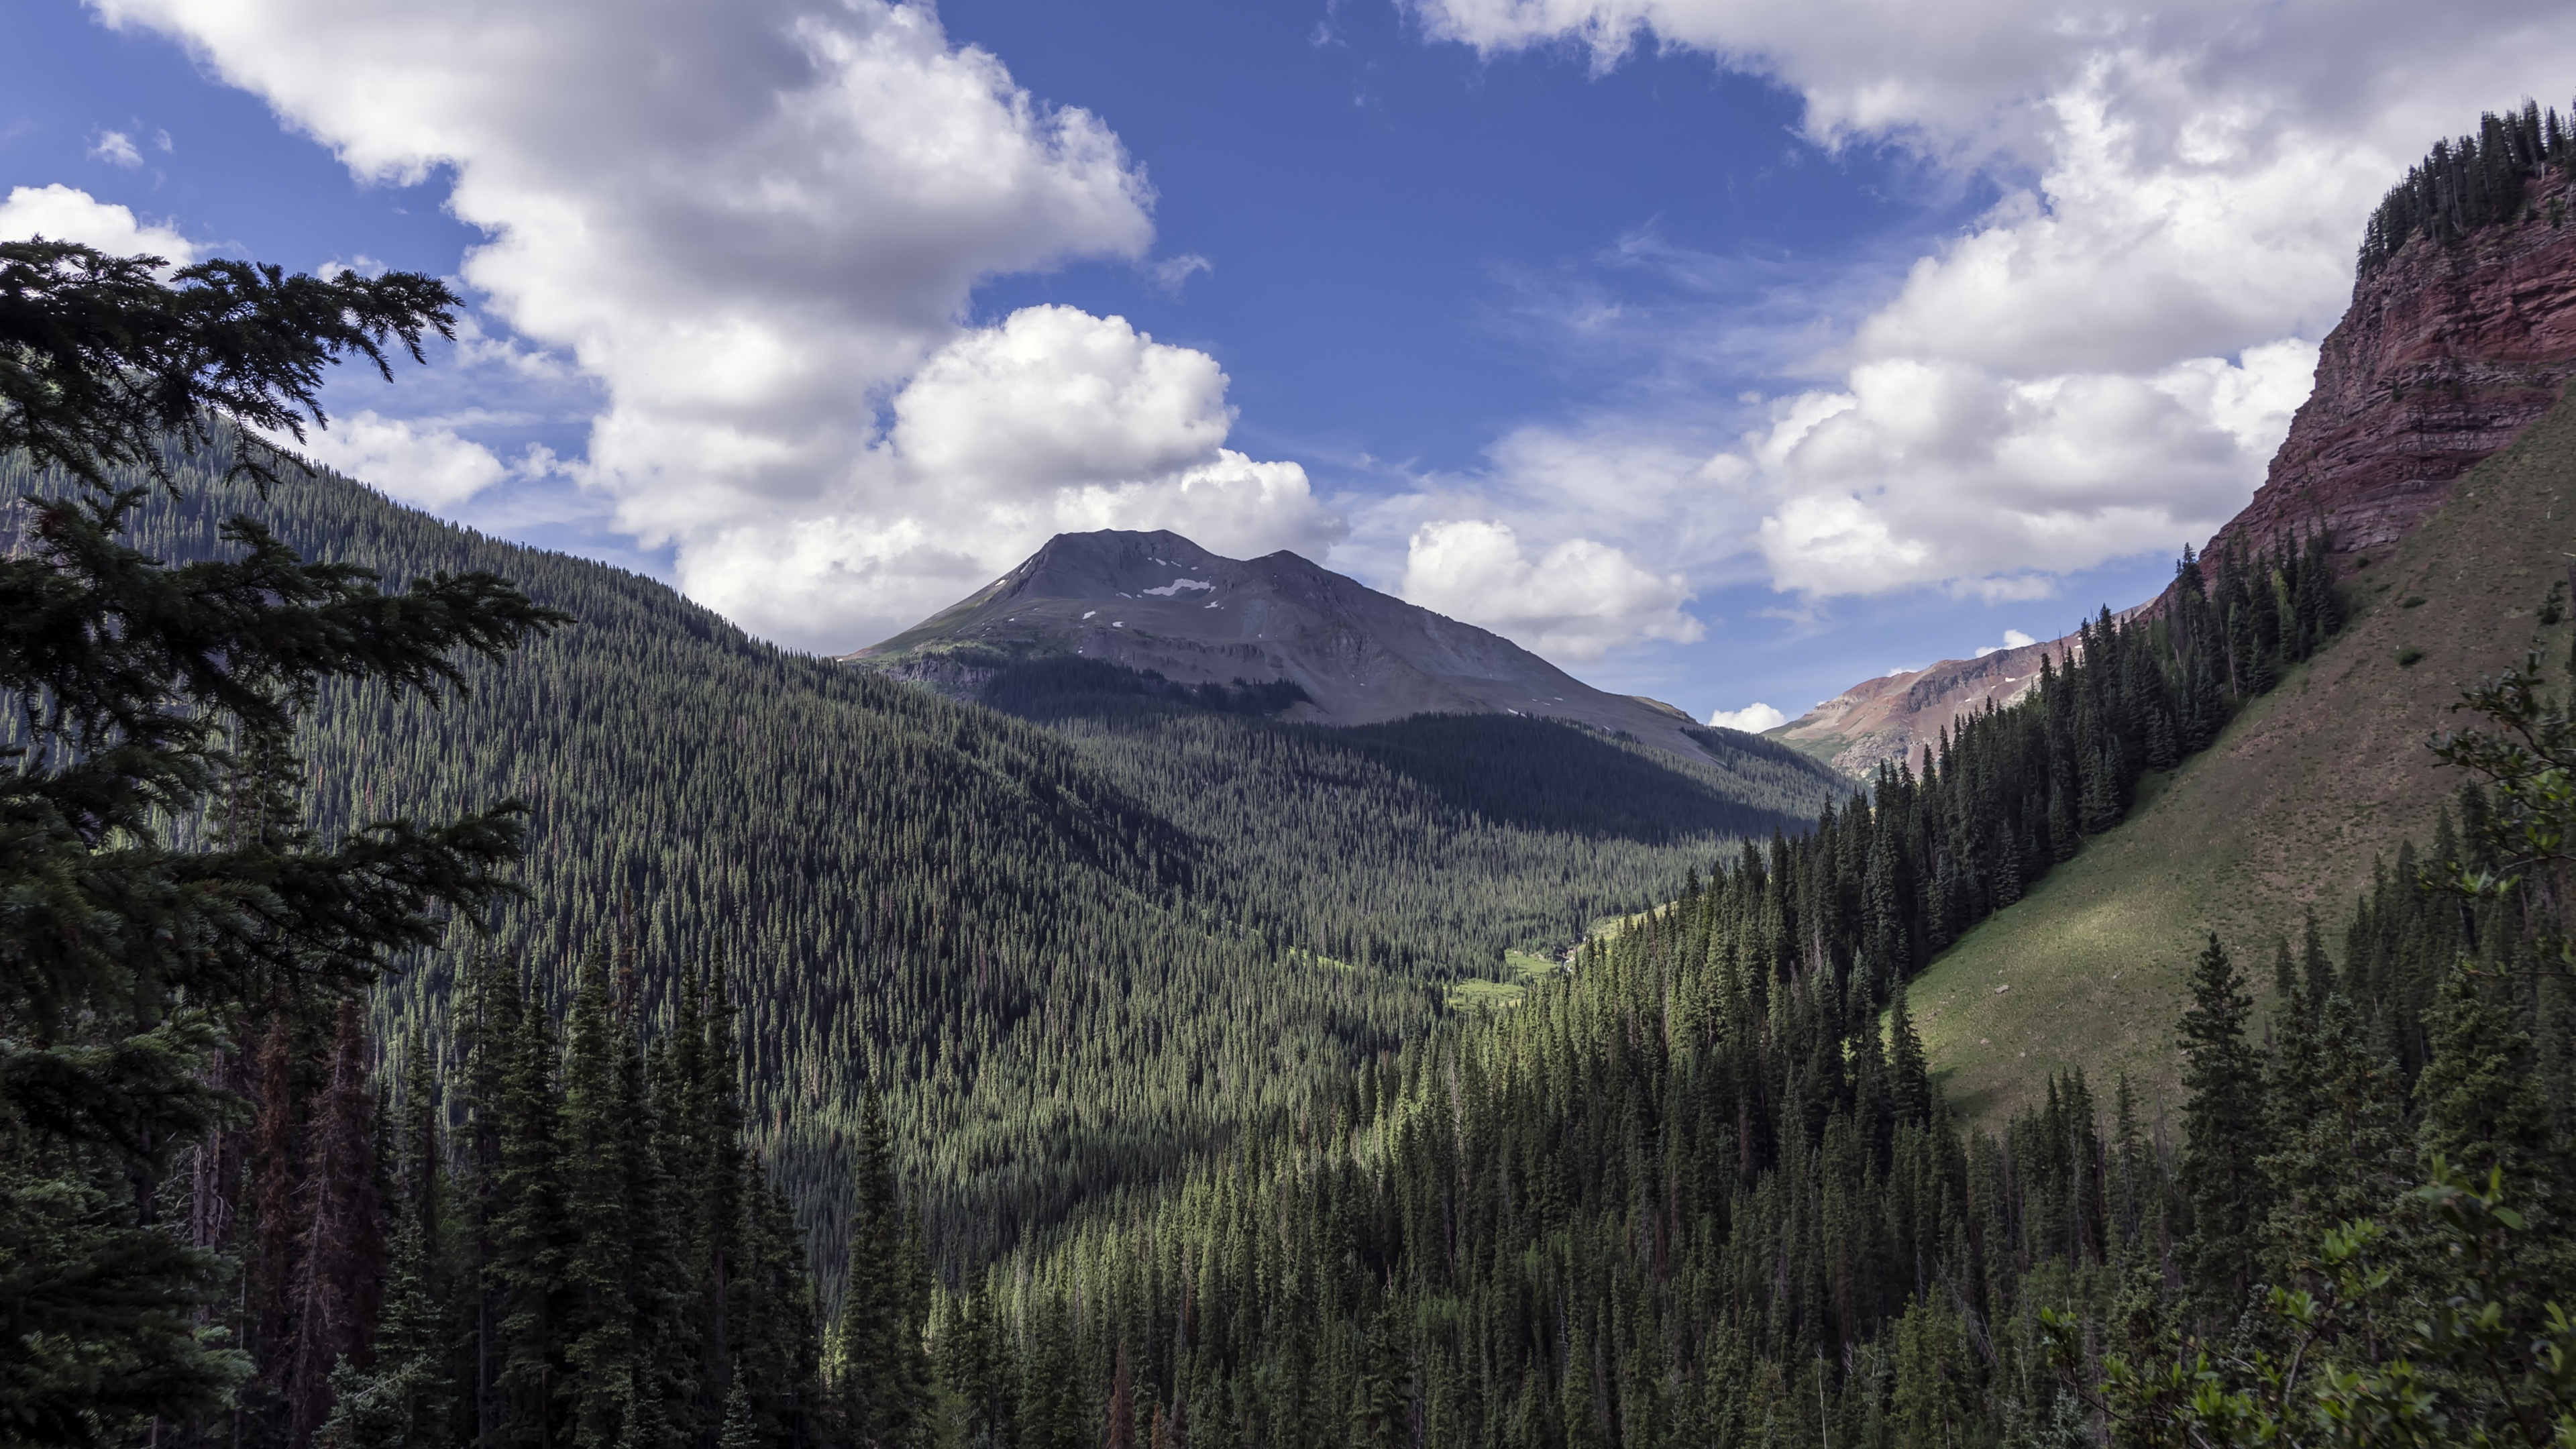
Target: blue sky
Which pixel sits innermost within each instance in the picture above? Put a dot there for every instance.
(1718, 353)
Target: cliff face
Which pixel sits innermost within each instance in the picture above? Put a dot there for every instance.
(2447, 353)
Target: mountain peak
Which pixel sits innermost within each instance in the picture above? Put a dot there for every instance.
(1158, 601)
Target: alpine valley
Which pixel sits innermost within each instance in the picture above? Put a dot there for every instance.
(1165, 999)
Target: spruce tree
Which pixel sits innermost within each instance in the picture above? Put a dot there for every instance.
(339, 1277)
(2338, 1144)
(880, 1364)
(2481, 1103)
(524, 1272)
(2224, 1138)
(603, 1380)
(146, 693)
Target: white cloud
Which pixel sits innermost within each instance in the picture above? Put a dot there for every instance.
(423, 463)
(1943, 472)
(1576, 601)
(1753, 719)
(1057, 391)
(2106, 360)
(60, 213)
(2013, 639)
(116, 149)
(757, 226)
(1054, 421)
(1172, 272)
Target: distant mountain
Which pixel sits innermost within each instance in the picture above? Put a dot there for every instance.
(1158, 602)
(1895, 715)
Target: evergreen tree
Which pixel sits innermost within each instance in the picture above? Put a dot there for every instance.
(2482, 1104)
(2223, 1138)
(880, 1364)
(143, 693)
(523, 1272)
(2338, 1131)
(604, 1374)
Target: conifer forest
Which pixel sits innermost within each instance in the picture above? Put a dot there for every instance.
(460, 996)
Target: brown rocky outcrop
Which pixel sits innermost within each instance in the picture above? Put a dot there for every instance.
(2448, 351)
(1895, 715)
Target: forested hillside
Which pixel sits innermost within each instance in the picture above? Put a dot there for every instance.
(2302, 793)
(1704, 1193)
(1418, 838)
(1069, 965)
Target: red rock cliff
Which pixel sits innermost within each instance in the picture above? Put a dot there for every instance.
(2447, 353)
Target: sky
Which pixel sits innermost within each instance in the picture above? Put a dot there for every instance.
(1724, 351)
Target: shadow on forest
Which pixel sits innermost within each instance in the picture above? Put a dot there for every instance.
(1528, 774)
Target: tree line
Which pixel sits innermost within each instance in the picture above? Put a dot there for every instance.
(2473, 181)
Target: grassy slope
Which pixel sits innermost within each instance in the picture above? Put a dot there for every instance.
(2288, 809)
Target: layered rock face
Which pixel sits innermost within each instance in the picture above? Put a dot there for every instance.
(2447, 353)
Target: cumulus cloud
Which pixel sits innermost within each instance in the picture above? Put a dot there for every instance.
(1054, 421)
(2105, 361)
(1937, 471)
(424, 463)
(757, 226)
(61, 213)
(1576, 601)
(2013, 639)
(1753, 719)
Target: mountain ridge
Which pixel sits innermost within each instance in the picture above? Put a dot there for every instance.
(1155, 601)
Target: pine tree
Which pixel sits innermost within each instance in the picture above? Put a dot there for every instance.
(2338, 1134)
(880, 1365)
(1379, 1407)
(1909, 1074)
(2482, 1105)
(1121, 1414)
(523, 1274)
(738, 1431)
(136, 945)
(602, 1371)
(2223, 1137)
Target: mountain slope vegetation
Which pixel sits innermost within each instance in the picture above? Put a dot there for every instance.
(2303, 797)
(1068, 972)
(1441, 821)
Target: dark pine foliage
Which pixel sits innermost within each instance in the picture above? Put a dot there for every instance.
(2473, 181)
(1702, 1193)
(166, 901)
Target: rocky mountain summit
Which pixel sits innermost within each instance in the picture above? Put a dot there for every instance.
(1158, 602)
(2450, 349)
